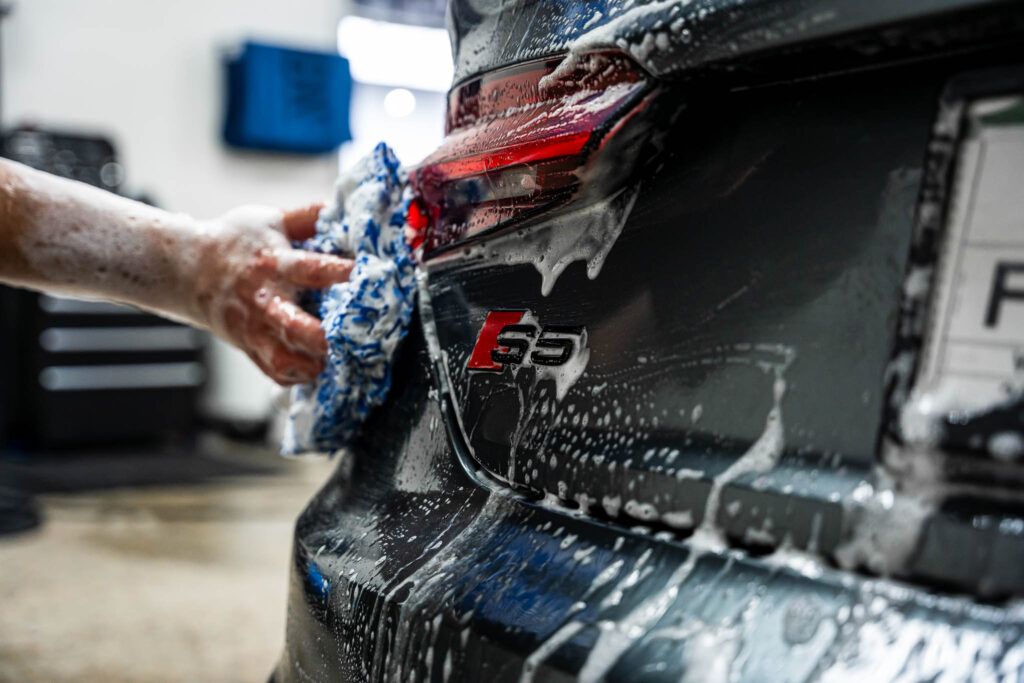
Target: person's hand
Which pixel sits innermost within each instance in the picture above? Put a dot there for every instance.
(247, 280)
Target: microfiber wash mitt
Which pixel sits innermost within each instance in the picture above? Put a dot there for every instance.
(365, 318)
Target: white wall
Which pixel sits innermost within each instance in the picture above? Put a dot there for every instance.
(412, 136)
(147, 73)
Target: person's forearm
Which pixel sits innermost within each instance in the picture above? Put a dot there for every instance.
(67, 237)
(236, 275)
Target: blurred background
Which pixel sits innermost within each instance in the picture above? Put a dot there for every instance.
(145, 519)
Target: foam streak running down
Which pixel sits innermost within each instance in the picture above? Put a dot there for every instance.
(364, 318)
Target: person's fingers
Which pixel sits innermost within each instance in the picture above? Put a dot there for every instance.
(283, 365)
(287, 377)
(300, 224)
(295, 327)
(312, 270)
(265, 341)
(290, 366)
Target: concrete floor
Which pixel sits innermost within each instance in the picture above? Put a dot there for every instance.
(176, 582)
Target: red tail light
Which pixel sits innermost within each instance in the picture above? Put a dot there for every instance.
(517, 141)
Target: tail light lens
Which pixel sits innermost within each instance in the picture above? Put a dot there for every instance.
(518, 141)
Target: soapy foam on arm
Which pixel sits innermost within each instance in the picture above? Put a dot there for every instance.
(73, 239)
(236, 275)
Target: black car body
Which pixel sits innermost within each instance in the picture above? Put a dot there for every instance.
(682, 267)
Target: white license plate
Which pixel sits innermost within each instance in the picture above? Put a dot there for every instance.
(974, 347)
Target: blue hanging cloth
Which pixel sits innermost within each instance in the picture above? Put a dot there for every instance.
(287, 100)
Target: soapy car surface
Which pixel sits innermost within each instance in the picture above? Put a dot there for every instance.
(705, 486)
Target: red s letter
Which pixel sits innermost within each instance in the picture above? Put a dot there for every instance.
(488, 339)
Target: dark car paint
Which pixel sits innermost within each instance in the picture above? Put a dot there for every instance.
(422, 558)
(406, 568)
(776, 217)
(726, 36)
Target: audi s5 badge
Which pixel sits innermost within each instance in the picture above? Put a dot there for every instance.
(515, 338)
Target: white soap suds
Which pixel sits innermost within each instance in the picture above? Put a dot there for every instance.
(612, 505)
(1007, 446)
(567, 374)
(642, 511)
(709, 650)
(618, 635)
(586, 235)
(563, 635)
(681, 519)
(804, 563)
(710, 653)
(928, 409)
(889, 645)
(762, 455)
(594, 19)
(885, 527)
(608, 35)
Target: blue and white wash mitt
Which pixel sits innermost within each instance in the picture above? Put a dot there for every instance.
(365, 318)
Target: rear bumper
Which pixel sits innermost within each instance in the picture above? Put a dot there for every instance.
(404, 568)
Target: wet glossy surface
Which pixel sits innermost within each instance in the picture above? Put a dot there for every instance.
(710, 499)
(768, 223)
(707, 34)
(771, 232)
(405, 569)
